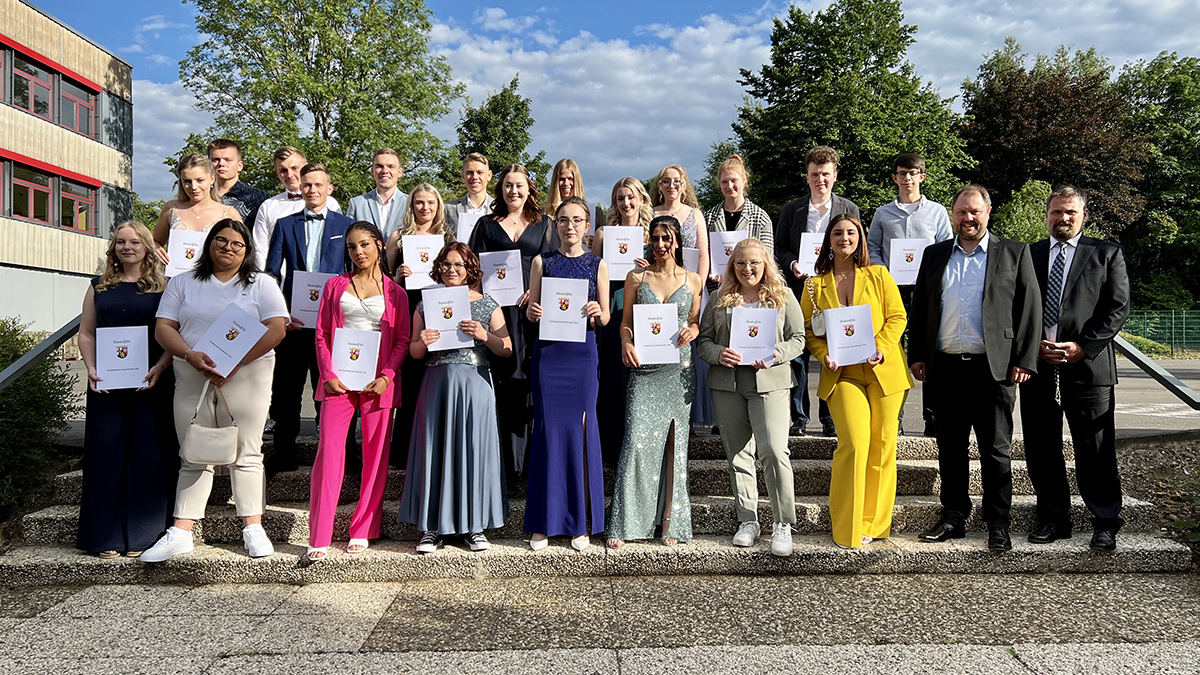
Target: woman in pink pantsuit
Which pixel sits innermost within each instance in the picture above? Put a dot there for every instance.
(364, 298)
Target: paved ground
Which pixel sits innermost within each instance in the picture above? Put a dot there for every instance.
(1142, 623)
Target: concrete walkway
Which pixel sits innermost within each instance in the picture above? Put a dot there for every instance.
(1111, 623)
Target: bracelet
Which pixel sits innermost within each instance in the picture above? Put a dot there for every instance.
(185, 354)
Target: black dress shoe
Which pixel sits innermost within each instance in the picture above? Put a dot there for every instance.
(1104, 540)
(998, 539)
(797, 429)
(828, 429)
(930, 428)
(944, 530)
(1045, 533)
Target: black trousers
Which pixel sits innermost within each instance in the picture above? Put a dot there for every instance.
(918, 389)
(799, 400)
(966, 397)
(295, 359)
(1090, 412)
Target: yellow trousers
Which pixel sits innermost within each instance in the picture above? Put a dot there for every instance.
(862, 490)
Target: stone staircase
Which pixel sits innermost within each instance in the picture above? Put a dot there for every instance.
(49, 556)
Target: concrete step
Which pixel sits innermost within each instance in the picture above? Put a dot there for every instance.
(705, 477)
(394, 561)
(711, 515)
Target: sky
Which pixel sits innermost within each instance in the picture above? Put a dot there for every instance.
(625, 87)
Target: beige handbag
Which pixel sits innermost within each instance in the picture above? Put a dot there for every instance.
(211, 445)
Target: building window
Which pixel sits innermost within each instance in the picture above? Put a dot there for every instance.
(31, 87)
(31, 194)
(78, 204)
(77, 107)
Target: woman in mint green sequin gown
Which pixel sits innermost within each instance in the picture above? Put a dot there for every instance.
(651, 497)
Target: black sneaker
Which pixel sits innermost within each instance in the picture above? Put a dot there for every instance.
(828, 430)
(477, 542)
(430, 542)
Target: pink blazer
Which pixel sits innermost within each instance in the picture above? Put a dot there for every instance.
(395, 333)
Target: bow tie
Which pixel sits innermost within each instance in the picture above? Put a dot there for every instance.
(314, 216)
(293, 195)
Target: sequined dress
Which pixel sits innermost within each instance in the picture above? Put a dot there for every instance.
(566, 475)
(453, 479)
(659, 396)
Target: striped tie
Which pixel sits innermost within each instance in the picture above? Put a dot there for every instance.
(1053, 303)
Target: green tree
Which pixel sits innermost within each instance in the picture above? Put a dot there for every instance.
(1060, 120)
(1164, 246)
(1024, 216)
(708, 186)
(840, 77)
(146, 213)
(499, 130)
(337, 78)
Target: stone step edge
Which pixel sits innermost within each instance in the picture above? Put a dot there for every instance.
(389, 561)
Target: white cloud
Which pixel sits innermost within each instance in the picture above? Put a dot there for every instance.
(496, 19)
(163, 116)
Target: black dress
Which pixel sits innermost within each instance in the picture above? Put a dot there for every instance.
(514, 402)
(130, 450)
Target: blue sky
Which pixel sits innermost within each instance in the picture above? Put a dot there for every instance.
(626, 87)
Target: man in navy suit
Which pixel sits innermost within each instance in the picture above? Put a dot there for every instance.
(313, 239)
(1085, 300)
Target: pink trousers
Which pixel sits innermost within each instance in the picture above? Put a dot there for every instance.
(330, 467)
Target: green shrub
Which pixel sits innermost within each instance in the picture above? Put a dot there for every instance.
(33, 411)
(1146, 345)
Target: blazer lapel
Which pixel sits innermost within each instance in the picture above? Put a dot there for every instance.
(993, 259)
(828, 291)
(301, 232)
(1040, 253)
(860, 286)
(1083, 252)
(372, 201)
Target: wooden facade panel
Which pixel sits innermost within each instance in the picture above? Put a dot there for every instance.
(47, 37)
(35, 137)
(30, 245)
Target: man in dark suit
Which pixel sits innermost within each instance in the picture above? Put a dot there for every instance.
(974, 337)
(810, 213)
(1085, 296)
(313, 239)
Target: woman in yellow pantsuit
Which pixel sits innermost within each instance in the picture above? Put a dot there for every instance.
(864, 399)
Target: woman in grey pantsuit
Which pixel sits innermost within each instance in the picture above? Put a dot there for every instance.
(752, 400)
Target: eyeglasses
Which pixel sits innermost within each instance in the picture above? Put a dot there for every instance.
(222, 242)
(567, 222)
(447, 266)
(748, 264)
(911, 174)
(671, 182)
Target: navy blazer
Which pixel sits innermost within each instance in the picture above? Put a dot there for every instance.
(793, 221)
(289, 244)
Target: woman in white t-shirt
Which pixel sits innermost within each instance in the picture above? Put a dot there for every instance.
(224, 275)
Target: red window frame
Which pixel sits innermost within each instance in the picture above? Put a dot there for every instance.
(71, 202)
(34, 82)
(33, 189)
(81, 107)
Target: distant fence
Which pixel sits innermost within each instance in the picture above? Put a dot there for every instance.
(1176, 328)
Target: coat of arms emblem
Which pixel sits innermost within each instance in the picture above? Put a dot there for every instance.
(655, 328)
(232, 334)
(424, 256)
(501, 272)
(122, 351)
(728, 249)
(817, 250)
(313, 294)
(447, 312)
(623, 248)
(753, 331)
(564, 304)
(848, 329)
(354, 353)
(908, 257)
(189, 252)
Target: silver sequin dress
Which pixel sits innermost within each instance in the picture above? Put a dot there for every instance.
(658, 396)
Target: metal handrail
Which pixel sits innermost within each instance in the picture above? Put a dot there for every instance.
(1167, 380)
(44, 348)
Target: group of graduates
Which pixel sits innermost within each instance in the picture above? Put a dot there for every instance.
(471, 425)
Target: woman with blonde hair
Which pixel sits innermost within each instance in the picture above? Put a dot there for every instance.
(864, 398)
(129, 446)
(737, 213)
(567, 182)
(196, 206)
(672, 195)
(751, 399)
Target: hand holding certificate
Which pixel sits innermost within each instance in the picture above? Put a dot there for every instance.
(229, 338)
(502, 276)
(752, 334)
(850, 334)
(122, 357)
(307, 288)
(905, 260)
(810, 250)
(563, 319)
(445, 310)
(656, 333)
(184, 248)
(420, 250)
(355, 357)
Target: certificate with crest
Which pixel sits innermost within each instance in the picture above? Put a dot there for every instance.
(502, 276)
(122, 357)
(562, 303)
(230, 338)
(420, 250)
(721, 246)
(906, 259)
(850, 334)
(445, 309)
(810, 250)
(184, 248)
(752, 333)
(307, 288)
(622, 246)
(355, 356)
(655, 333)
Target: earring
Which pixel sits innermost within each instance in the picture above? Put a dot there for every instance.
(830, 256)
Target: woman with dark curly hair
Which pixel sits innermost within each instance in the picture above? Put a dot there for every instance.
(453, 482)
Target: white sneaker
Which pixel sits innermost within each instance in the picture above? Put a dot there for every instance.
(256, 541)
(781, 540)
(747, 534)
(171, 544)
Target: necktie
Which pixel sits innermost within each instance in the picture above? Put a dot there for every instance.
(1054, 302)
(314, 216)
(293, 195)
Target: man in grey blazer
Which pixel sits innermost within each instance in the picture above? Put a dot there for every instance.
(810, 213)
(384, 206)
(475, 174)
(1085, 296)
(974, 331)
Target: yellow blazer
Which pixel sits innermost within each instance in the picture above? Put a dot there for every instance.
(872, 286)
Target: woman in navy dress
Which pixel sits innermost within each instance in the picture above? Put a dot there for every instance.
(566, 476)
(130, 453)
(516, 222)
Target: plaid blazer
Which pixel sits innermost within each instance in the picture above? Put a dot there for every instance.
(752, 218)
